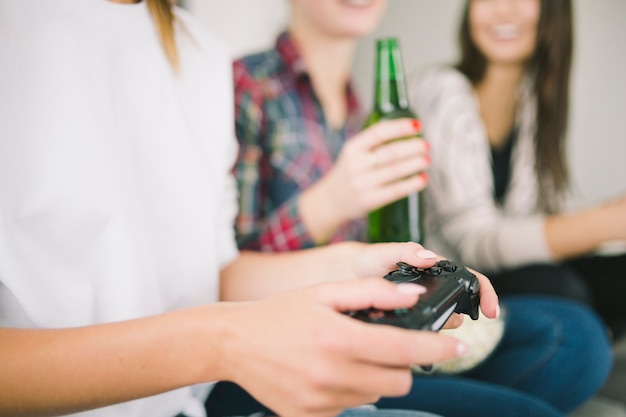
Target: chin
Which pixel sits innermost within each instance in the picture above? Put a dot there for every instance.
(509, 54)
(357, 32)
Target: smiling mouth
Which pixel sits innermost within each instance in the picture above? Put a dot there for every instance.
(505, 32)
(358, 2)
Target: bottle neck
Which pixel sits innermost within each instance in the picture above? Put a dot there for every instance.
(391, 91)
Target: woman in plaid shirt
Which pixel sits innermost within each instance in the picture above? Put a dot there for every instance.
(307, 177)
(305, 173)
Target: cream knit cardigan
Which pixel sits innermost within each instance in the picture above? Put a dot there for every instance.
(462, 219)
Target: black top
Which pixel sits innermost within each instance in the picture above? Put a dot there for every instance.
(501, 166)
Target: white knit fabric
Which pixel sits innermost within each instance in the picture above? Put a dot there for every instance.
(463, 221)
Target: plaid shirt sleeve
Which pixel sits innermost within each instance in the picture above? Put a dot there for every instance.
(260, 225)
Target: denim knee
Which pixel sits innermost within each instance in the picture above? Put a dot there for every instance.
(373, 411)
(553, 348)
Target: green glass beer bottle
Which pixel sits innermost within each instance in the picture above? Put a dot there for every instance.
(401, 220)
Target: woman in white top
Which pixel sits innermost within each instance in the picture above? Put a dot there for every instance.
(116, 241)
(497, 122)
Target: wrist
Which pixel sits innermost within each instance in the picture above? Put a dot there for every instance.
(613, 221)
(223, 338)
(346, 256)
(206, 336)
(320, 214)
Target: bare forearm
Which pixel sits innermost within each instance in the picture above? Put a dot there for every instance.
(52, 372)
(579, 233)
(256, 275)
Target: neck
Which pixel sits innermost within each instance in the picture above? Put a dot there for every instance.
(329, 63)
(497, 94)
(501, 77)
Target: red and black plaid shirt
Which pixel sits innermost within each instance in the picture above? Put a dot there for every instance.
(286, 145)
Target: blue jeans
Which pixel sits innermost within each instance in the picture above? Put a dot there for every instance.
(376, 412)
(554, 355)
(597, 281)
(562, 355)
(365, 411)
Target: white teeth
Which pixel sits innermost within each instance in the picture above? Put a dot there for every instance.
(505, 31)
(357, 2)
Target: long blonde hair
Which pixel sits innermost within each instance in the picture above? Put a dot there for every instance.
(163, 15)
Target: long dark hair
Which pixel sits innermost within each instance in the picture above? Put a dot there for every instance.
(550, 68)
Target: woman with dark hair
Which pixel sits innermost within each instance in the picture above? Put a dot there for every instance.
(306, 178)
(498, 196)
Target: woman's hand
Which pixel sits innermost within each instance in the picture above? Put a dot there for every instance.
(378, 259)
(256, 275)
(580, 233)
(372, 170)
(619, 208)
(300, 356)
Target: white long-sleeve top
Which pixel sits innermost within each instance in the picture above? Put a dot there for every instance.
(116, 199)
(462, 219)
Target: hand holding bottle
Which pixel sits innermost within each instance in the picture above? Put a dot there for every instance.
(376, 174)
(372, 170)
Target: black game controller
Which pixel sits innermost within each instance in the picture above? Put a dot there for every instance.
(450, 288)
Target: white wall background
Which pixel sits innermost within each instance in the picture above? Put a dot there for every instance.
(245, 25)
(427, 31)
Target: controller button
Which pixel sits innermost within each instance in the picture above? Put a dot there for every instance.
(375, 314)
(435, 270)
(449, 268)
(443, 263)
(406, 269)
